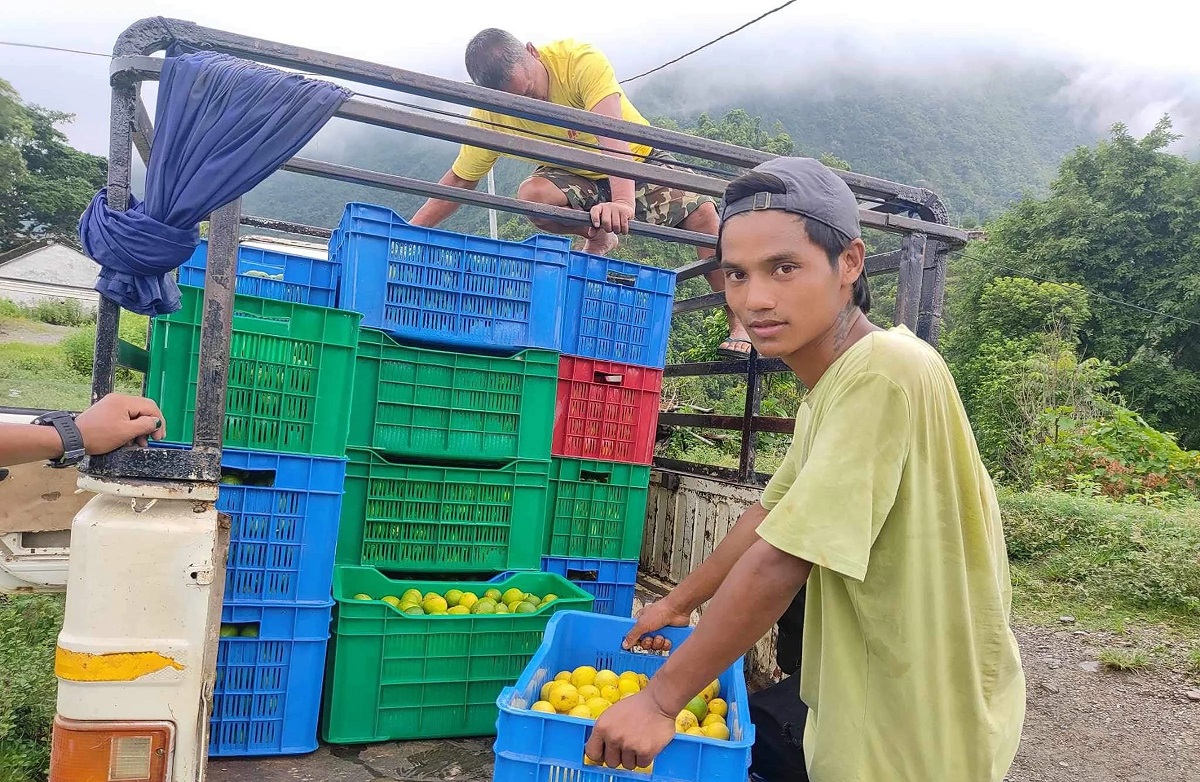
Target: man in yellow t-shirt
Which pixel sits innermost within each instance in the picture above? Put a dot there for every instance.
(574, 74)
(882, 509)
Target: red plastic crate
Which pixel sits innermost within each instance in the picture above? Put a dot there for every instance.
(606, 411)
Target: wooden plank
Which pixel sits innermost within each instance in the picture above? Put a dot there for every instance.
(908, 286)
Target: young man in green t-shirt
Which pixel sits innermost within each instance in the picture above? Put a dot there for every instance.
(882, 508)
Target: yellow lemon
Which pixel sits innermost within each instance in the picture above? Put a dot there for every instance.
(458, 609)
(605, 678)
(597, 706)
(718, 707)
(580, 711)
(547, 687)
(513, 595)
(542, 706)
(630, 675)
(643, 680)
(494, 594)
(589, 691)
(562, 676)
(710, 719)
(716, 688)
(584, 674)
(564, 697)
(468, 599)
(685, 721)
(717, 730)
(454, 597)
(412, 596)
(629, 686)
(695, 732)
(434, 604)
(610, 693)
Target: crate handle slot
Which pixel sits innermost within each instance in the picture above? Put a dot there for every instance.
(608, 378)
(248, 321)
(617, 278)
(248, 478)
(595, 476)
(574, 574)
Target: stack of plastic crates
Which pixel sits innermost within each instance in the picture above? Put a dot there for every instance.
(451, 477)
(605, 419)
(283, 468)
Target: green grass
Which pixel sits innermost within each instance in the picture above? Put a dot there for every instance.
(40, 376)
(29, 626)
(1124, 660)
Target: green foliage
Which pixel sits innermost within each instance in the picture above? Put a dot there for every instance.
(45, 184)
(1101, 552)
(1124, 660)
(79, 346)
(1123, 220)
(1117, 455)
(62, 312)
(29, 626)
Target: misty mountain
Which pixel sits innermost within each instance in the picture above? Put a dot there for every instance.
(981, 139)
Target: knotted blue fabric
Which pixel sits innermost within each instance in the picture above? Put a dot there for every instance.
(222, 126)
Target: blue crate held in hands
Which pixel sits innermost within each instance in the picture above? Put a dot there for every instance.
(610, 581)
(532, 746)
(270, 666)
(449, 289)
(284, 511)
(618, 311)
(270, 274)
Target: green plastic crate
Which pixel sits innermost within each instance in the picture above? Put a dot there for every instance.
(597, 509)
(429, 404)
(291, 369)
(392, 676)
(424, 518)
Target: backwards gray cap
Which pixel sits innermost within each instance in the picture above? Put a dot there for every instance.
(813, 191)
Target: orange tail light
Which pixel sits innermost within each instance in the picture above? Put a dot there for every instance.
(111, 751)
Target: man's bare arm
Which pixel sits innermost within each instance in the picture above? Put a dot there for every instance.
(436, 210)
(702, 583)
(614, 216)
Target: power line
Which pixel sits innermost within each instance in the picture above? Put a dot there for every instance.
(54, 49)
(1087, 291)
(710, 43)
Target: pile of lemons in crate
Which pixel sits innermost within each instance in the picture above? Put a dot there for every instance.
(588, 693)
(456, 601)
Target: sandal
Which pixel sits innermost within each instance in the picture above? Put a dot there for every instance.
(727, 351)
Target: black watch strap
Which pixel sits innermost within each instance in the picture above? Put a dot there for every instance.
(72, 439)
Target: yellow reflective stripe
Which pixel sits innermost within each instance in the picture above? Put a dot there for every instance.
(113, 667)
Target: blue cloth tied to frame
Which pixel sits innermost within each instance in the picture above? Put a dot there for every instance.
(222, 126)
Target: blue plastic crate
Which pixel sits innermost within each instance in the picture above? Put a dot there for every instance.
(449, 289)
(267, 696)
(610, 581)
(618, 311)
(284, 518)
(535, 747)
(272, 275)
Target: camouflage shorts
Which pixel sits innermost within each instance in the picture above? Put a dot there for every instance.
(655, 204)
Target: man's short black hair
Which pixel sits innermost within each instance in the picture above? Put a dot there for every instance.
(491, 57)
(829, 240)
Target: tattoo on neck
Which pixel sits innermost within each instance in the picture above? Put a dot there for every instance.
(845, 321)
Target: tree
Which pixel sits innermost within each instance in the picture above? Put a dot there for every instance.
(45, 184)
(1122, 220)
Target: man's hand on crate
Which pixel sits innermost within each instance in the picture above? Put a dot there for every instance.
(631, 733)
(654, 617)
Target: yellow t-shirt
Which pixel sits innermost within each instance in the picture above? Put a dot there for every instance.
(580, 77)
(909, 667)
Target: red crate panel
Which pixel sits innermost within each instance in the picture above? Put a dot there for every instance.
(606, 411)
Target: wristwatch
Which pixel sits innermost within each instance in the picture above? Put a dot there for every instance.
(72, 439)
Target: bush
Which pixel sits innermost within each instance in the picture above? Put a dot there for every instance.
(79, 346)
(1117, 455)
(10, 309)
(62, 312)
(29, 625)
(1110, 553)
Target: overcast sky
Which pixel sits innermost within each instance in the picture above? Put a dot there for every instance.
(1152, 38)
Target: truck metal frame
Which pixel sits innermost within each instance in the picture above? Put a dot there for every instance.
(916, 213)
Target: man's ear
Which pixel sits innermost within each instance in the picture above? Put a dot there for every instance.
(529, 47)
(852, 261)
